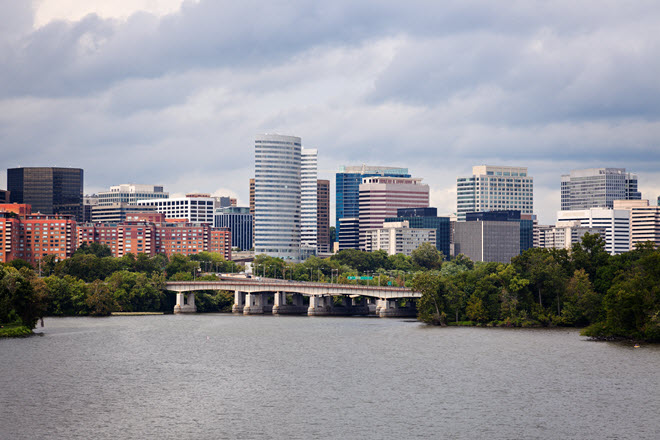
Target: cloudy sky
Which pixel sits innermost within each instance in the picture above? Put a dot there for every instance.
(172, 92)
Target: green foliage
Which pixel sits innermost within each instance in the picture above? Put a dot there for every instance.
(427, 256)
(97, 249)
(15, 331)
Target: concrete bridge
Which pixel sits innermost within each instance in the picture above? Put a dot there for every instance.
(279, 297)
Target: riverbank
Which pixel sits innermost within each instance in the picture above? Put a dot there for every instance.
(15, 331)
(136, 313)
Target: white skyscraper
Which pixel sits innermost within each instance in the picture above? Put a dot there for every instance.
(308, 197)
(494, 188)
(277, 192)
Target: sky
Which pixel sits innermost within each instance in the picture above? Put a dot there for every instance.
(173, 92)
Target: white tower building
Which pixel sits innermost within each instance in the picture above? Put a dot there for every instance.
(308, 199)
(495, 188)
(277, 177)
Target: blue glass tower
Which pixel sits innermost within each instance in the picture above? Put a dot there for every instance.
(347, 191)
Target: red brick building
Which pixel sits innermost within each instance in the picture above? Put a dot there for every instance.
(31, 237)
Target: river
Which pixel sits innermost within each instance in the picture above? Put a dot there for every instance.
(212, 376)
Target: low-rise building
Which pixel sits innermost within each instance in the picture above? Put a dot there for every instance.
(398, 238)
(644, 221)
(427, 218)
(195, 208)
(31, 237)
(615, 222)
(565, 234)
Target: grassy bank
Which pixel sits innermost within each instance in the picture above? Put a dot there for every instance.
(14, 331)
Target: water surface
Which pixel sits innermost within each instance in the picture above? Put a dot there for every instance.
(262, 377)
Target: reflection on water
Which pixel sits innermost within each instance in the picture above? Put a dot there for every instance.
(258, 377)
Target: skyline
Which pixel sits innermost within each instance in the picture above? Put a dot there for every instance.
(129, 94)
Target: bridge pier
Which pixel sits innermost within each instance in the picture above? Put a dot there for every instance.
(239, 302)
(319, 305)
(185, 303)
(254, 304)
(390, 309)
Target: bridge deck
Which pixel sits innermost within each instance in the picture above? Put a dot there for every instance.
(302, 287)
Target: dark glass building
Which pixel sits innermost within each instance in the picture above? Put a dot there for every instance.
(239, 221)
(427, 218)
(48, 190)
(526, 223)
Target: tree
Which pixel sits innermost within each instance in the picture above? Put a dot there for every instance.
(583, 305)
(101, 301)
(98, 249)
(427, 256)
(431, 306)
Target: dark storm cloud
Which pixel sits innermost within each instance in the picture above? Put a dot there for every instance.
(435, 86)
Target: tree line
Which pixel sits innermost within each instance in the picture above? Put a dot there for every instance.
(612, 296)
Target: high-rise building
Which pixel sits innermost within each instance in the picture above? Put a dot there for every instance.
(239, 221)
(48, 190)
(309, 199)
(426, 218)
(398, 238)
(526, 223)
(495, 188)
(347, 188)
(277, 181)
(616, 223)
(4, 196)
(349, 233)
(491, 241)
(644, 221)
(382, 196)
(597, 188)
(195, 208)
(323, 216)
(130, 193)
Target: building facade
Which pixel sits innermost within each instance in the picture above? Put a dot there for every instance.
(565, 234)
(239, 221)
(490, 241)
(130, 194)
(347, 188)
(4, 196)
(195, 208)
(349, 233)
(495, 188)
(381, 197)
(398, 238)
(140, 235)
(323, 216)
(31, 237)
(48, 190)
(526, 223)
(309, 199)
(644, 221)
(116, 212)
(597, 188)
(615, 222)
(277, 204)
(426, 218)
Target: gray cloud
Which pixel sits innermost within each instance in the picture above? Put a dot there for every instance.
(435, 86)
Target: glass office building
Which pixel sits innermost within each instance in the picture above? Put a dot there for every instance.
(239, 221)
(347, 190)
(277, 192)
(597, 188)
(49, 190)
